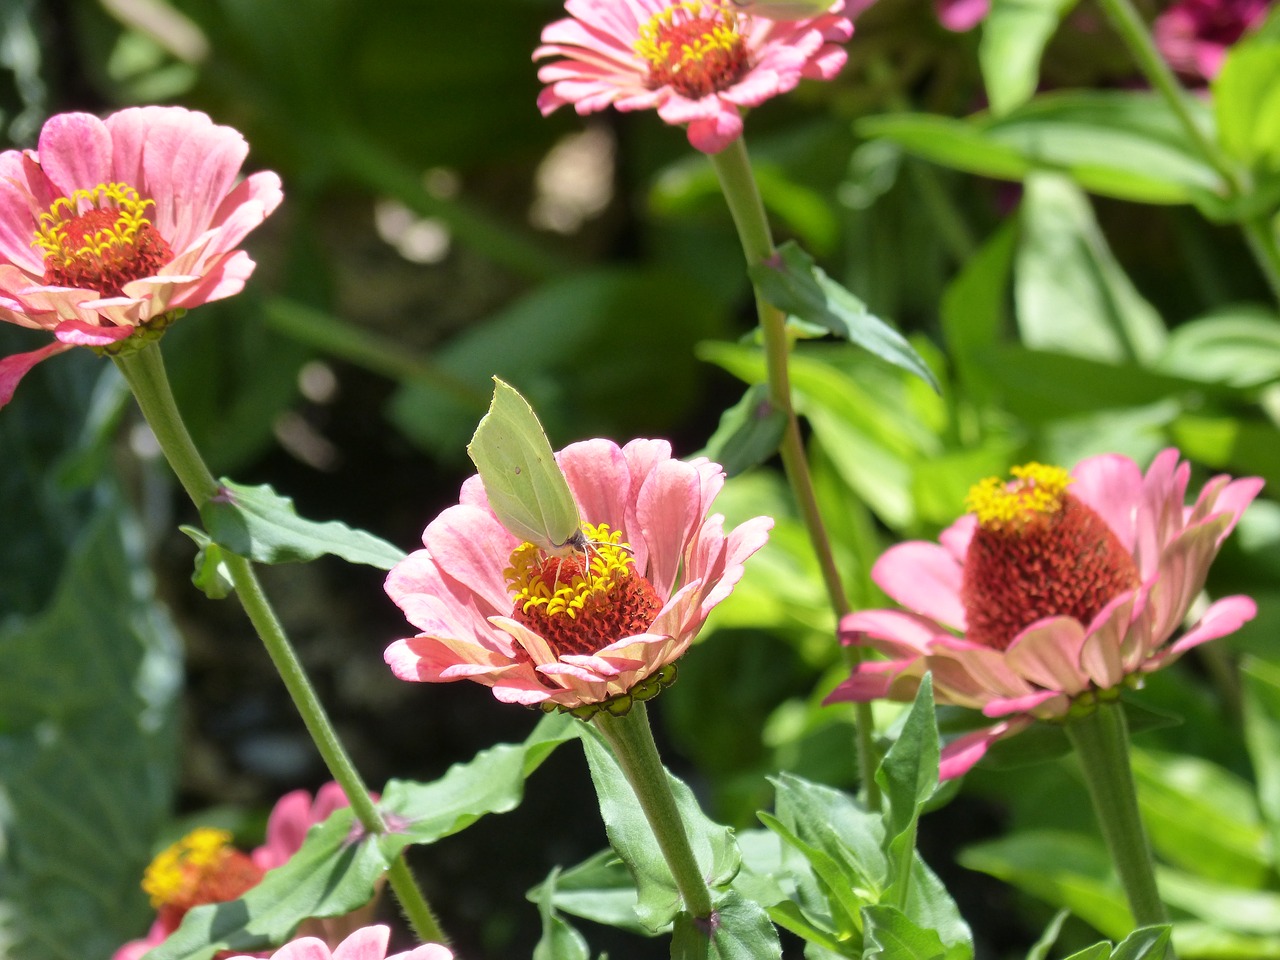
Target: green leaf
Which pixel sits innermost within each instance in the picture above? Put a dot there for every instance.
(1072, 296)
(973, 307)
(1246, 100)
(599, 888)
(740, 930)
(1262, 735)
(331, 875)
(749, 432)
(1145, 943)
(793, 283)
(1127, 145)
(1040, 949)
(210, 576)
(1236, 345)
(87, 746)
(559, 940)
(908, 775)
(259, 524)
(632, 837)
(1014, 34)
(891, 935)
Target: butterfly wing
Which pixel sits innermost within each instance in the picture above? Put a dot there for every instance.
(525, 487)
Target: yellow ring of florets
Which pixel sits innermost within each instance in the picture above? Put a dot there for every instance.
(1038, 490)
(608, 560)
(722, 37)
(166, 876)
(51, 234)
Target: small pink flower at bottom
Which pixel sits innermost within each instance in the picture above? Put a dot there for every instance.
(1059, 587)
(1194, 35)
(367, 943)
(545, 631)
(203, 867)
(699, 63)
(110, 228)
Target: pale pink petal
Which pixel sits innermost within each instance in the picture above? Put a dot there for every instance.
(75, 151)
(923, 577)
(1111, 485)
(429, 951)
(892, 632)
(77, 334)
(306, 948)
(1226, 616)
(1048, 654)
(367, 943)
(14, 368)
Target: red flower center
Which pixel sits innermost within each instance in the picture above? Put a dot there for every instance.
(585, 602)
(200, 868)
(1037, 552)
(693, 47)
(99, 240)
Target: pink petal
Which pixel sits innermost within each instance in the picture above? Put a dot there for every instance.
(15, 367)
(1048, 654)
(892, 632)
(79, 334)
(923, 577)
(962, 15)
(367, 943)
(1226, 616)
(75, 151)
(959, 756)
(306, 948)
(1111, 485)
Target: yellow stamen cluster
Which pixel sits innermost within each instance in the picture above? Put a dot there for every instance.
(536, 582)
(168, 875)
(719, 36)
(1035, 491)
(119, 199)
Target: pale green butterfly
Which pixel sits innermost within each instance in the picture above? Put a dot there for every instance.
(783, 9)
(526, 489)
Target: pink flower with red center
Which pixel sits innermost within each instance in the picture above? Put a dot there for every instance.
(1056, 587)
(203, 867)
(1194, 35)
(109, 227)
(699, 63)
(581, 631)
(367, 943)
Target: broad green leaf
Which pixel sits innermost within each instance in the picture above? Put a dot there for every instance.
(1246, 101)
(599, 888)
(1262, 734)
(1226, 906)
(559, 940)
(931, 906)
(259, 524)
(908, 775)
(632, 837)
(1072, 296)
(749, 432)
(792, 282)
(1201, 817)
(973, 308)
(331, 875)
(1065, 870)
(1099, 951)
(1197, 939)
(1127, 145)
(1145, 943)
(740, 930)
(1237, 345)
(1014, 35)
(87, 747)
(891, 935)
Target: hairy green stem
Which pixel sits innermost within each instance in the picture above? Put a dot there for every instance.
(738, 184)
(145, 373)
(1101, 741)
(631, 738)
(1133, 31)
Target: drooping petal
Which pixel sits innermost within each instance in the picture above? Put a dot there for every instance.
(14, 368)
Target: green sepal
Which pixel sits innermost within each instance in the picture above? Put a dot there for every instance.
(210, 576)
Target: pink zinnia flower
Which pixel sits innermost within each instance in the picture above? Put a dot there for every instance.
(1194, 35)
(542, 630)
(698, 62)
(109, 226)
(367, 943)
(1061, 587)
(203, 867)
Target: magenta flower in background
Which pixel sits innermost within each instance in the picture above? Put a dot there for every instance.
(1194, 35)
(698, 62)
(367, 943)
(111, 224)
(542, 630)
(1055, 588)
(961, 15)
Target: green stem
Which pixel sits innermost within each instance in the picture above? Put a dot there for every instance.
(631, 738)
(1101, 741)
(738, 184)
(1133, 31)
(145, 373)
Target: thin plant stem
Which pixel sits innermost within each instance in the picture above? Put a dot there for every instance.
(1101, 741)
(145, 373)
(1261, 239)
(631, 738)
(737, 182)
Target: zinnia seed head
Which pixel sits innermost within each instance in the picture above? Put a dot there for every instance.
(693, 47)
(100, 240)
(582, 603)
(1037, 552)
(200, 868)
